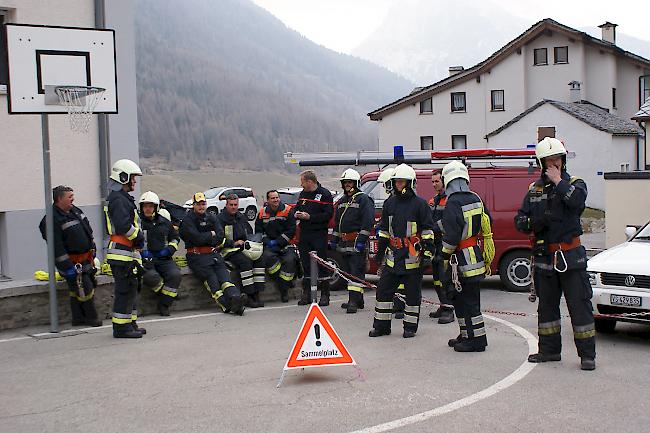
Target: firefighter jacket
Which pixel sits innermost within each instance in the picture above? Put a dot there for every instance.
(353, 220)
(318, 204)
(461, 223)
(72, 234)
(437, 205)
(123, 225)
(235, 228)
(405, 221)
(278, 225)
(551, 214)
(195, 230)
(159, 233)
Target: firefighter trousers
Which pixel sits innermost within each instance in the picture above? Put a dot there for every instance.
(388, 283)
(577, 292)
(438, 271)
(126, 291)
(281, 264)
(312, 241)
(355, 264)
(211, 269)
(82, 294)
(468, 312)
(252, 273)
(163, 277)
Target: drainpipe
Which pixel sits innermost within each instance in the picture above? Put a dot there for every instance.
(102, 122)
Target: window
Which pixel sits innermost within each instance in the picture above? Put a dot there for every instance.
(540, 57)
(426, 106)
(644, 89)
(497, 100)
(426, 142)
(561, 54)
(458, 102)
(212, 193)
(459, 142)
(614, 98)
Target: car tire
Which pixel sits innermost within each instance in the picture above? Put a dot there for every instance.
(213, 209)
(251, 213)
(515, 271)
(605, 326)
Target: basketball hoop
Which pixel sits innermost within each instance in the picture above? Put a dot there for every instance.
(80, 102)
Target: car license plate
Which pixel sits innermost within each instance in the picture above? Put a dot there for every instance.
(626, 301)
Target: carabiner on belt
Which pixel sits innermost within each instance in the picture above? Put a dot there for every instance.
(566, 266)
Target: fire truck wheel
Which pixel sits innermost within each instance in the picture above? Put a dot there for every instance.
(514, 271)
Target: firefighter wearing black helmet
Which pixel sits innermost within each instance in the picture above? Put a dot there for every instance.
(405, 234)
(354, 215)
(551, 212)
(161, 274)
(465, 263)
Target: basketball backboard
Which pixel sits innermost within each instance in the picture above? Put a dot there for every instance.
(40, 57)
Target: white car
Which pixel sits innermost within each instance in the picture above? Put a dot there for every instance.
(620, 279)
(216, 198)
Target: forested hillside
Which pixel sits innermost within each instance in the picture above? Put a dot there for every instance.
(224, 82)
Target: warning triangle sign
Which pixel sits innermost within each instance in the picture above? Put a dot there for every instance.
(318, 344)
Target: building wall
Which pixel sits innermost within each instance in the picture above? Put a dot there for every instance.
(624, 207)
(74, 157)
(595, 151)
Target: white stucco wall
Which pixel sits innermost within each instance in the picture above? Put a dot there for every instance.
(624, 207)
(74, 157)
(595, 151)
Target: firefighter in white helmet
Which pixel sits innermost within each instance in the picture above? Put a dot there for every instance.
(126, 239)
(551, 213)
(353, 219)
(466, 264)
(161, 274)
(405, 234)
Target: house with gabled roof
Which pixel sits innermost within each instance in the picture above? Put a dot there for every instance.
(477, 107)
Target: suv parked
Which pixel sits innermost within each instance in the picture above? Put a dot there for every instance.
(502, 190)
(216, 198)
(620, 280)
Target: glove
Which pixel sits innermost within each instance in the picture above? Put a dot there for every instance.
(332, 245)
(272, 244)
(146, 254)
(165, 252)
(428, 247)
(71, 272)
(521, 222)
(360, 247)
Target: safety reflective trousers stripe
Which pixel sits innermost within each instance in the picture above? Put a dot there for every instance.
(169, 291)
(88, 297)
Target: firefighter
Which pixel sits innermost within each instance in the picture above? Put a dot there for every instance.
(398, 304)
(161, 274)
(445, 313)
(126, 238)
(354, 216)
(466, 265)
(405, 234)
(551, 213)
(202, 234)
(277, 225)
(74, 251)
(251, 269)
(313, 211)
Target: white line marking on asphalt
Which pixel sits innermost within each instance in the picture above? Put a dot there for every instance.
(166, 319)
(504, 383)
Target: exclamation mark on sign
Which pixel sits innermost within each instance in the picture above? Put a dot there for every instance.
(317, 332)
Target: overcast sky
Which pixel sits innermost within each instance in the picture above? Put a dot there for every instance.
(342, 24)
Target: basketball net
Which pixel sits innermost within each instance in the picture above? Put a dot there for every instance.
(80, 102)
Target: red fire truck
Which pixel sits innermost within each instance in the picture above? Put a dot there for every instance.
(500, 177)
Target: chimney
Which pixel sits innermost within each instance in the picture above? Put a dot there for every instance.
(453, 70)
(574, 92)
(608, 32)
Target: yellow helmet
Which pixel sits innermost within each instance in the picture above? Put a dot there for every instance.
(454, 170)
(123, 170)
(549, 146)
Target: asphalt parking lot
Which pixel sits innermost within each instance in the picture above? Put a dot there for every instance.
(210, 372)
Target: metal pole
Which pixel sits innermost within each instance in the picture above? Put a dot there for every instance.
(49, 222)
(313, 276)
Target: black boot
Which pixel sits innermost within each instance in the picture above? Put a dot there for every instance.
(90, 313)
(163, 309)
(305, 297)
(120, 333)
(284, 293)
(467, 345)
(408, 333)
(77, 313)
(446, 316)
(136, 328)
(536, 358)
(258, 300)
(436, 314)
(238, 304)
(374, 332)
(454, 341)
(324, 287)
(587, 364)
(251, 302)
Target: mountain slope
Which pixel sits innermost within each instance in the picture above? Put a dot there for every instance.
(225, 81)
